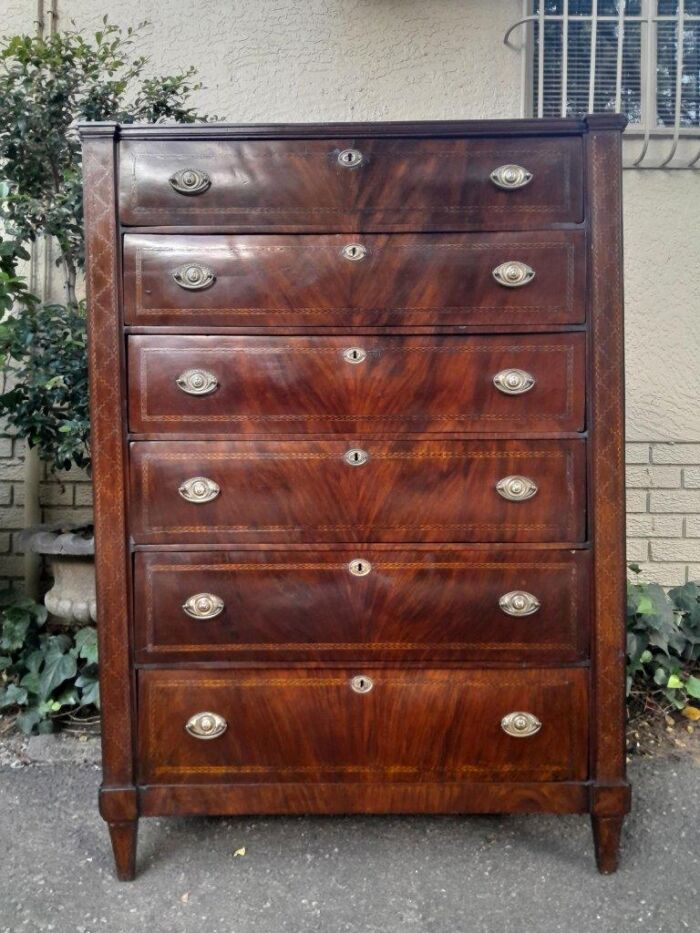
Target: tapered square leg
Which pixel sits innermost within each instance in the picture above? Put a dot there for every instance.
(123, 836)
(606, 839)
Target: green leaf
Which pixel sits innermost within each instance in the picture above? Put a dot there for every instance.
(692, 685)
(13, 696)
(674, 682)
(14, 631)
(660, 676)
(86, 643)
(28, 719)
(59, 665)
(90, 689)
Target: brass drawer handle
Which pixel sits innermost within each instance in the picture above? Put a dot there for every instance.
(197, 382)
(354, 252)
(361, 683)
(356, 456)
(206, 725)
(199, 489)
(519, 603)
(203, 606)
(354, 355)
(521, 725)
(350, 158)
(194, 277)
(190, 181)
(513, 273)
(359, 567)
(513, 381)
(516, 488)
(510, 177)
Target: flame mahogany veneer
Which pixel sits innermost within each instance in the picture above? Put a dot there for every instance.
(357, 437)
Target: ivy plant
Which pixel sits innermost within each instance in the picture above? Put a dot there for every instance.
(663, 645)
(47, 85)
(45, 674)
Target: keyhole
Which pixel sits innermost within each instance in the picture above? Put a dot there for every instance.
(359, 567)
(354, 355)
(354, 252)
(361, 684)
(356, 456)
(349, 158)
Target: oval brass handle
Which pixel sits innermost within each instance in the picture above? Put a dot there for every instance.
(354, 252)
(197, 382)
(199, 489)
(513, 273)
(354, 355)
(521, 725)
(206, 725)
(350, 158)
(510, 177)
(519, 603)
(513, 381)
(516, 488)
(359, 567)
(361, 683)
(190, 181)
(203, 606)
(194, 277)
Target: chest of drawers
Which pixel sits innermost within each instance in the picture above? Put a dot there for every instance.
(357, 437)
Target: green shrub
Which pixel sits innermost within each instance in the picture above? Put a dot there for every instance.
(47, 85)
(47, 674)
(663, 646)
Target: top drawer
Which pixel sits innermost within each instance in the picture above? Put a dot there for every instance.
(347, 184)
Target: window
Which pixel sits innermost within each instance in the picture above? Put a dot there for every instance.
(639, 57)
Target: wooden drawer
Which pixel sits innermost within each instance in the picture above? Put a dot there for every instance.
(291, 385)
(433, 725)
(307, 491)
(399, 184)
(307, 281)
(445, 604)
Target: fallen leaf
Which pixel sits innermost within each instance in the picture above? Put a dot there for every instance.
(240, 852)
(691, 712)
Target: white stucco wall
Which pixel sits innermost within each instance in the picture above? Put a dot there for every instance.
(316, 60)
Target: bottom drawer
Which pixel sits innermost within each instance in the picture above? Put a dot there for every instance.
(369, 725)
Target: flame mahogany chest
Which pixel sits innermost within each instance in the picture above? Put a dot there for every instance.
(358, 458)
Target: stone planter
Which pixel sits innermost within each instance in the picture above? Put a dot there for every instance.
(70, 552)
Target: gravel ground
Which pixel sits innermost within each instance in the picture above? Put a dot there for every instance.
(328, 875)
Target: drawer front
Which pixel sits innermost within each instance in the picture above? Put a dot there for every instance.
(355, 280)
(348, 184)
(285, 605)
(322, 491)
(295, 725)
(341, 385)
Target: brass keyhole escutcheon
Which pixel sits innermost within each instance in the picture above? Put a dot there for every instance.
(356, 456)
(359, 567)
(361, 683)
(350, 158)
(354, 252)
(354, 355)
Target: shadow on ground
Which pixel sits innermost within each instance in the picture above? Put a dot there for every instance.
(505, 874)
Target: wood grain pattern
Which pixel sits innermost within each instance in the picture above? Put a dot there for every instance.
(107, 389)
(404, 280)
(277, 385)
(430, 606)
(407, 184)
(407, 491)
(607, 491)
(301, 725)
